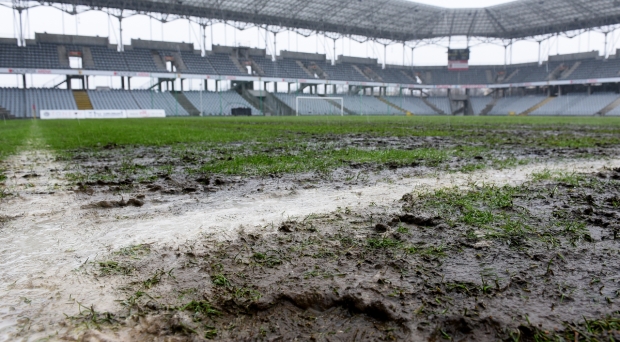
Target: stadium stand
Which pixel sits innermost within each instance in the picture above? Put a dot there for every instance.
(414, 105)
(112, 99)
(156, 100)
(22, 103)
(515, 105)
(442, 103)
(580, 104)
(218, 103)
(49, 51)
(480, 103)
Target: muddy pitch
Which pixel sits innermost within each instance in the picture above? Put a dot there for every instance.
(537, 261)
(131, 243)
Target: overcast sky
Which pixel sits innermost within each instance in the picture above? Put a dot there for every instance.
(51, 20)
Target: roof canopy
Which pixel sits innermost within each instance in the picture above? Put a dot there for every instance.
(397, 20)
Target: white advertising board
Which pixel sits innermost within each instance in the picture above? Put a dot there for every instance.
(146, 113)
(62, 114)
(104, 114)
(101, 114)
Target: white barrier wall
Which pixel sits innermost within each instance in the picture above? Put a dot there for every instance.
(101, 114)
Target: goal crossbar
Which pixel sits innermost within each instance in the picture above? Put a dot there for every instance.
(319, 98)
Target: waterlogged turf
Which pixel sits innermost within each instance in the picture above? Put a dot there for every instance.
(134, 151)
(534, 262)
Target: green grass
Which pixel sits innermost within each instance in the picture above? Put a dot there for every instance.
(12, 135)
(62, 135)
(277, 145)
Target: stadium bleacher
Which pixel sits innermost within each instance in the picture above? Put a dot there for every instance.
(218, 103)
(515, 104)
(51, 52)
(44, 53)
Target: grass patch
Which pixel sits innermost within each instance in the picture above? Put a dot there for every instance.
(13, 133)
(63, 135)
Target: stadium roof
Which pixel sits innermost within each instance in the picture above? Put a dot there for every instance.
(397, 20)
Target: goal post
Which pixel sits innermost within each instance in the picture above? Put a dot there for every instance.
(341, 99)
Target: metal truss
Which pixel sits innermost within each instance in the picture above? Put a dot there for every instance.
(383, 21)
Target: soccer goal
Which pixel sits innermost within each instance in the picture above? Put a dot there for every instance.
(325, 102)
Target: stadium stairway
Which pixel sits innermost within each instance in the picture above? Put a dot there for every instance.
(267, 103)
(185, 103)
(433, 107)
(489, 107)
(537, 106)
(5, 114)
(566, 74)
(361, 72)
(236, 62)
(82, 100)
(158, 61)
(609, 107)
(393, 105)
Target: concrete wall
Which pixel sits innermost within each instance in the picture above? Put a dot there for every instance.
(70, 40)
(157, 45)
(223, 49)
(302, 55)
(574, 56)
(357, 60)
(11, 41)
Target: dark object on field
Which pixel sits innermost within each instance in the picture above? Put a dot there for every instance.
(220, 181)
(30, 175)
(134, 202)
(288, 226)
(242, 111)
(154, 187)
(407, 198)
(204, 180)
(420, 220)
(382, 227)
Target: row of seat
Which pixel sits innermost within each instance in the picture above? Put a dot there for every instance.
(211, 103)
(47, 56)
(26, 103)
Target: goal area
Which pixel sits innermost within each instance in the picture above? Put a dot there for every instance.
(312, 105)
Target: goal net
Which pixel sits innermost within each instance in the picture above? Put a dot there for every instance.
(314, 105)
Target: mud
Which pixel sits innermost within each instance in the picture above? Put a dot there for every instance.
(182, 168)
(132, 243)
(536, 261)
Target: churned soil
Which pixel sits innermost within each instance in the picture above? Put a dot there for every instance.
(531, 262)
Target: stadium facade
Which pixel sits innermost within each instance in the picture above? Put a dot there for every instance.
(577, 84)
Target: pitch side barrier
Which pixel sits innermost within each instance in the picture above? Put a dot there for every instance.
(101, 114)
(305, 81)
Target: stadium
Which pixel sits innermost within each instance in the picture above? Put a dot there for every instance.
(411, 171)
